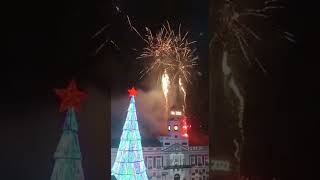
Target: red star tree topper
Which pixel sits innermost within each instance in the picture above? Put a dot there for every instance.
(70, 97)
(132, 92)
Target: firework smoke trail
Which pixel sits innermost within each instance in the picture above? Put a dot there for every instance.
(237, 151)
(235, 89)
(234, 34)
(165, 82)
(101, 33)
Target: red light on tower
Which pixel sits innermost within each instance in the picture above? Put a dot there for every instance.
(184, 130)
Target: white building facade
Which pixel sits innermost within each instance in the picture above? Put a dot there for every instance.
(174, 159)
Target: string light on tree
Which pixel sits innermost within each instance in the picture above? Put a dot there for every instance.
(129, 162)
(68, 156)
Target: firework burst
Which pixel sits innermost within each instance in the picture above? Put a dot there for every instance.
(170, 52)
(165, 83)
(171, 55)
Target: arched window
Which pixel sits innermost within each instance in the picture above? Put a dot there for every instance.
(176, 177)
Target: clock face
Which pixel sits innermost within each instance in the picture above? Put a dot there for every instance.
(175, 127)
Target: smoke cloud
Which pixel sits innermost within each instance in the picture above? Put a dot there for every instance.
(151, 113)
(151, 109)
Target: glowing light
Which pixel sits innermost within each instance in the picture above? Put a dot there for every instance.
(175, 128)
(168, 51)
(129, 162)
(169, 128)
(67, 157)
(178, 113)
(171, 54)
(184, 93)
(184, 131)
(165, 82)
(132, 92)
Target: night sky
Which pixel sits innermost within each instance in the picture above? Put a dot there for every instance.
(48, 43)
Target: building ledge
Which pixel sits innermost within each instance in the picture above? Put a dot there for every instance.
(178, 167)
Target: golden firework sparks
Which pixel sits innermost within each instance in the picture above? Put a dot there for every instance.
(170, 52)
(171, 55)
(184, 94)
(165, 82)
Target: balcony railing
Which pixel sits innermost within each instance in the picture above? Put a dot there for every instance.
(178, 166)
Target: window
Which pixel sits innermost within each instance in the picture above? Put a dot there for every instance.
(206, 160)
(196, 170)
(184, 143)
(149, 163)
(171, 161)
(158, 164)
(176, 136)
(176, 161)
(167, 143)
(199, 160)
(193, 160)
(168, 163)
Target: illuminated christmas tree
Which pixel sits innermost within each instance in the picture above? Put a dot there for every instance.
(129, 163)
(68, 156)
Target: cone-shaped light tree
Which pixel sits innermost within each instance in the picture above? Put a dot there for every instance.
(129, 163)
(68, 156)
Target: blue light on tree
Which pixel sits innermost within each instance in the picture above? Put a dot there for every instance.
(129, 163)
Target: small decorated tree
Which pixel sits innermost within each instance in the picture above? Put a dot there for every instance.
(68, 156)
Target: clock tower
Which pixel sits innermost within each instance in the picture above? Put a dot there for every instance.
(175, 128)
